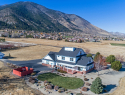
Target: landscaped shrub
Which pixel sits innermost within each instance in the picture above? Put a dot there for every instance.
(33, 73)
(32, 80)
(85, 79)
(97, 86)
(89, 55)
(116, 65)
(84, 88)
(88, 84)
(49, 86)
(56, 87)
(110, 59)
(45, 82)
(59, 91)
(61, 71)
(62, 89)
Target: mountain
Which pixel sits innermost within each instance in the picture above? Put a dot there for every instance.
(32, 16)
(117, 34)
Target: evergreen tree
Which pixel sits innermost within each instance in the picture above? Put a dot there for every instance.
(116, 65)
(110, 59)
(97, 86)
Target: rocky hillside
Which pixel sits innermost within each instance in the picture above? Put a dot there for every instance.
(31, 16)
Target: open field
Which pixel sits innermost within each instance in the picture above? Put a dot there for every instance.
(12, 85)
(44, 46)
(39, 51)
(65, 82)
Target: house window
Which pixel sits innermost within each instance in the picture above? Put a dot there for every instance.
(47, 62)
(80, 68)
(71, 59)
(63, 58)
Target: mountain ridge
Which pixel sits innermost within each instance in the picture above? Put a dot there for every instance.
(32, 16)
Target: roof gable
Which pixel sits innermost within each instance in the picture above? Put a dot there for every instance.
(48, 57)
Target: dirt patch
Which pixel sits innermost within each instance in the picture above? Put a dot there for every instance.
(11, 85)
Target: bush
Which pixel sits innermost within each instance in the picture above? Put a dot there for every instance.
(56, 87)
(116, 65)
(49, 86)
(89, 55)
(33, 73)
(61, 71)
(85, 79)
(84, 88)
(110, 59)
(88, 84)
(97, 86)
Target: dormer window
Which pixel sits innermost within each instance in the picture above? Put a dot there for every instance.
(63, 58)
(71, 59)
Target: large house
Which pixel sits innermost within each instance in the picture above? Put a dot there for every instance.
(70, 59)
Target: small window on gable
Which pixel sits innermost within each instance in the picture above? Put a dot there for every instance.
(71, 59)
(63, 58)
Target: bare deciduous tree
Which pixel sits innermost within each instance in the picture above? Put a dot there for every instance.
(119, 58)
(98, 65)
(87, 51)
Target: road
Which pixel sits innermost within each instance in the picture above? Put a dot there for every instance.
(35, 64)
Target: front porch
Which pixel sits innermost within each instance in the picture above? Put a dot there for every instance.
(68, 70)
(71, 69)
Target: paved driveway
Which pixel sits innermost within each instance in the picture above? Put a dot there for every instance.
(35, 64)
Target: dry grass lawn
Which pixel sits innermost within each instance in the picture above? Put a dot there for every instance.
(39, 51)
(121, 88)
(13, 86)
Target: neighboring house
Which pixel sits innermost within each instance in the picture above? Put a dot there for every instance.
(70, 59)
(1, 55)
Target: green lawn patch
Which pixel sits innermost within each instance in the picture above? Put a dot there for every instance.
(65, 82)
(117, 44)
(69, 36)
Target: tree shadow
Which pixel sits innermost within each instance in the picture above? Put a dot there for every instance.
(123, 66)
(108, 88)
(8, 57)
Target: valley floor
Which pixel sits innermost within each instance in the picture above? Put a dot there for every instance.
(44, 46)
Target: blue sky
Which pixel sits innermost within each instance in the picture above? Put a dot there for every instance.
(106, 14)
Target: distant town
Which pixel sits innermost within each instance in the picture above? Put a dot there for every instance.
(76, 37)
